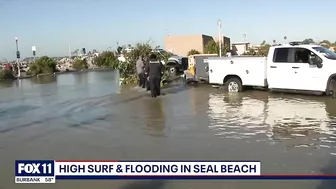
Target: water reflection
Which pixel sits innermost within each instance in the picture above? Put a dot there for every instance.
(261, 116)
(81, 78)
(154, 116)
(45, 86)
(6, 84)
(66, 79)
(44, 79)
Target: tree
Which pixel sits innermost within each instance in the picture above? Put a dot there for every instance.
(106, 59)
(127, 69)
(213, 48)
(142, 50)
(263, 49)
(43, 65)
(325, 43)
(80, 64)
(310, 40)
(193, 51)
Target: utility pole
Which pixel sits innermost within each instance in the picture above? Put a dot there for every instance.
(18, 56)
(220, 37)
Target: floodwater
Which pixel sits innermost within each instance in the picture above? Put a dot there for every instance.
(88, 116)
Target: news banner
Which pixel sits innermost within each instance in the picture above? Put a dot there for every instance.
(48, 171)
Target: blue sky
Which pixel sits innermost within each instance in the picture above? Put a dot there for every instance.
(51, 25)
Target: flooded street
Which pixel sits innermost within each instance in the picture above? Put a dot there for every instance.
(88, 116)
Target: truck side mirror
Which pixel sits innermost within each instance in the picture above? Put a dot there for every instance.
(312, 59)
(315, 60)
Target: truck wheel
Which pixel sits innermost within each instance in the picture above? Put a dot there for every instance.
(234, 85)
(172, 70)
(333, 88)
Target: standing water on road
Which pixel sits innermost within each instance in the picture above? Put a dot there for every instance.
(83, 116)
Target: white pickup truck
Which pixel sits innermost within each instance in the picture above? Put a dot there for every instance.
(296, 67)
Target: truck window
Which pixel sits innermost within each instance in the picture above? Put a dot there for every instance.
(301, 55)
(326, 52)
(184, 62)
(280, 55)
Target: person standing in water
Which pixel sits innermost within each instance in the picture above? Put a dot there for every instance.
(155, 69)
(140, 72)
(146, 74)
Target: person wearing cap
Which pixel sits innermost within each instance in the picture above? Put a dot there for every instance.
(155, 68)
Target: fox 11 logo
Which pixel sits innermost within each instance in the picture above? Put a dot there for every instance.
(34, 171)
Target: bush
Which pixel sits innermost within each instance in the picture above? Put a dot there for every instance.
(80, 64)
(131, 79)
(43, 65)
(127, 69)
(6, 74)
(107, 59)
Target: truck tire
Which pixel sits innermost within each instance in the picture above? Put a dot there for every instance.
(173, 70)
(234, 84)
(333, 88)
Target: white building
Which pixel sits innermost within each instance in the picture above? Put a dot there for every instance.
(240, 47)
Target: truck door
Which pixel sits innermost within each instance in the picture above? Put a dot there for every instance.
(280, 73)
(307, 77)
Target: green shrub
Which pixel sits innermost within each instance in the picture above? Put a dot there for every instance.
(127, 69)
(43, 65)
(6, 74)
(107, 59)
(80, 64)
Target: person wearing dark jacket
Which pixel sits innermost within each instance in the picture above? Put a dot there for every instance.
(155, 69)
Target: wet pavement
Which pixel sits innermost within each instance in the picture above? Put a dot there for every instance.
(88, 116)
